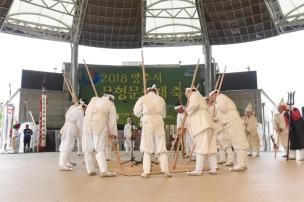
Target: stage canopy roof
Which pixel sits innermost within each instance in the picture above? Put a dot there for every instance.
(149, 23)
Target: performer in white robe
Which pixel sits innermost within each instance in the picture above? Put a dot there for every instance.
(16, 138)
(69, 132)
(251, 125)
(200, 128)
(128, 135)
(152, 108)
(281, 125)
(231, 121)
(99, 124)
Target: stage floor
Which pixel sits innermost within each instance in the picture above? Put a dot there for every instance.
(35, 177)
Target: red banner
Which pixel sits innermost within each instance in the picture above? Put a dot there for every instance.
(42, 121)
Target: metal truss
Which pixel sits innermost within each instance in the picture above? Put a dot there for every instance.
(35, 30)
(80, 8)
(290, 22)
(65, 6)
(178, 14)
(14, 23)
(180, 39)
(165, 13)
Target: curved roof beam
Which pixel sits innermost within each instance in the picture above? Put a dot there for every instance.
(40, 15)
(168, 25)
(51, 4)
(14, 21)
(294, 9)
(161, 1)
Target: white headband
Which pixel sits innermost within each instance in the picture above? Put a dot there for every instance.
(212, 92)
(109, 96)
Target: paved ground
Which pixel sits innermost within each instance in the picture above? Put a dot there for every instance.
(35, 177)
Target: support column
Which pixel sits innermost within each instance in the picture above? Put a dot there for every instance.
(208, 78)
(74, 67)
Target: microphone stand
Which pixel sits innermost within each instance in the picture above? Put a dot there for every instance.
(133, 138)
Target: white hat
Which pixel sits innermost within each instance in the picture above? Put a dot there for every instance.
(212, 92)
(153, 87)
(249, 108)
(282, 102)
(82, 103)
(178, 106)
(109, 96)
(190, 89)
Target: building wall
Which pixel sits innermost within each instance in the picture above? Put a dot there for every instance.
(58, 102)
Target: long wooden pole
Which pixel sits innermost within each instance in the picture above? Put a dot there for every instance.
(195, 73)
(222, 78)
(182, 130)
(115, 149)
(68, 87)
(91, 80)
(217, 81)
(75, 101)
(191, 154)
(143, 72)
(72, 90)
(219, 89)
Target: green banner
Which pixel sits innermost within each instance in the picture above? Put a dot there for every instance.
(125, 82)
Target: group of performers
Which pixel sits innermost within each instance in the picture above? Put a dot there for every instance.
(213, 128)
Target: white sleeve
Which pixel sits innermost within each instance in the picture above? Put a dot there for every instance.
(221, 104)
(112, 124)
(80, 116)
(164, 113)
(193, 105)
(252, 125)
(125, 130)
(138, 108)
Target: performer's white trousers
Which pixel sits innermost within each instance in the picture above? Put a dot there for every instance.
(65, 148)
(78, 142)
(292, 153)
(200, 158)
(90, 162)
(109, 151)
(229, 155)
(98, 143)
(301, 154)
(63, 158)
(163, 160)
(128, 145)
(241, 158)
(222, 155)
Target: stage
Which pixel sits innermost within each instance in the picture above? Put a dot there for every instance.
(35, 177)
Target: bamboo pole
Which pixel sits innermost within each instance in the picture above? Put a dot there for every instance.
(68, 87)
(143, 72)
(195, 73)
(217, 81)
(182, 130)
(93, 86)
(222, 78)
(72, 89)
(191, 154)
(66, 81)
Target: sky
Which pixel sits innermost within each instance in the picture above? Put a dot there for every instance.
(278, 60)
